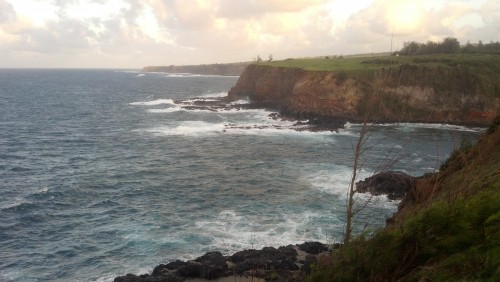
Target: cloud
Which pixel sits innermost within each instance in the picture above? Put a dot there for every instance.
(7, 13)
(371, 29)
(141, 32)
(257, 8)
(384, 17)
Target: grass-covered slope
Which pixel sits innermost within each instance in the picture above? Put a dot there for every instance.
(448, 230)
(367, 63)
(484, 68)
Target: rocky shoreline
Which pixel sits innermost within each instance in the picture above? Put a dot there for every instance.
(287, 263)
(302, 120)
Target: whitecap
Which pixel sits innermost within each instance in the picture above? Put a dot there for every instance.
(191, 128)
(167, 110)
(153, 102)
(417, 160)
(18, 203)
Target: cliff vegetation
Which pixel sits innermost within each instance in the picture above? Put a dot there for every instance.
(446, 229)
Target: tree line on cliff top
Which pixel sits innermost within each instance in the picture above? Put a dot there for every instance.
(449, 45)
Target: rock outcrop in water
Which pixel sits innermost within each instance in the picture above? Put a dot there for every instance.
(407, 93)
(394, 184)
(290, 263)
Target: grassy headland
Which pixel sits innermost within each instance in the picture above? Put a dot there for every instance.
(446, 88)
(478, 69)
(477, 62)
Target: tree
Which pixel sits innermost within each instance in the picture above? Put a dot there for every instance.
(411, 48)
(258, 59)
(468, 48)
(270, 57)
(371, 108)
(352, 185)
(450, 45)
(431, 47)
(480, 46)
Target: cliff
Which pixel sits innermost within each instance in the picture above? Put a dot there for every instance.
(393, 91)
(234, 69)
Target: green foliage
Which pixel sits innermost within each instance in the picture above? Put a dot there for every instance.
(458, 157)
(449, 45)
(456, 240)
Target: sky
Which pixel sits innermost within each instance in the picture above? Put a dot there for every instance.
(137, 33)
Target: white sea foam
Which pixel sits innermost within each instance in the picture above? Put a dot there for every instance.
(110, 277)
(141, 74)
(258, 127)
(190, 128)
(167, 110)
(348, 132)
(233, 231)
(333, 181)
(214, 95)
(417, 160)
(412, 126)
(129, 71)
(181, 74)
(337, 180)
(16, 203)
(240, 102)
(191, 101)
(154, 102)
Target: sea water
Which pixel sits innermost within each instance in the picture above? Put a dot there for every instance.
(108, 172)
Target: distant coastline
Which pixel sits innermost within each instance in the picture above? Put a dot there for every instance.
(231, 69)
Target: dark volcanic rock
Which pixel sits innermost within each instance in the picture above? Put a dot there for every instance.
(213, 265)
(394, 184)
(313, 248)
(165, 277)
(269, 258)
(271, 264)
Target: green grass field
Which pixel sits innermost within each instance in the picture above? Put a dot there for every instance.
(369, 64)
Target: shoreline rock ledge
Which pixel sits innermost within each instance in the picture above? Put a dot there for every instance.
(394, 184)
(287, 263)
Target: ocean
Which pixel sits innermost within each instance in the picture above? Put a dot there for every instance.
(109, 172)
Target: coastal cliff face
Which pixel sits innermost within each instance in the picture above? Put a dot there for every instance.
(402, 93)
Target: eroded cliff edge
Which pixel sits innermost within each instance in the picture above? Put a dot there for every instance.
(397, 93)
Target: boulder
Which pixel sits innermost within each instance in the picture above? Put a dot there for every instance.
(313, 248)
(394, 184)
